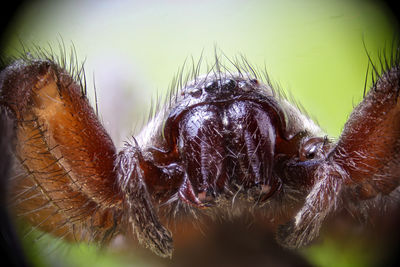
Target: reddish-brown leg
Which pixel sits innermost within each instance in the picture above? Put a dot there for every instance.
(68, 188)
(364, 164)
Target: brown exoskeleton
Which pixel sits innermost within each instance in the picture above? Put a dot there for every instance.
(226, 142)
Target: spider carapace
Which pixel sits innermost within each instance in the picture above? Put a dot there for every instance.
(224, 143)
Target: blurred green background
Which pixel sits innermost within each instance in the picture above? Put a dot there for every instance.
(314, 50)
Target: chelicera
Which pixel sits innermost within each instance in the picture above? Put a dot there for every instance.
(224, 141)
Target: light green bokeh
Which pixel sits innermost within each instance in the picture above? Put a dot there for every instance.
(313, 49)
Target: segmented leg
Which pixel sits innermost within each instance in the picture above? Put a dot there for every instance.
(364, 164)
(69, 187)
(139, 211)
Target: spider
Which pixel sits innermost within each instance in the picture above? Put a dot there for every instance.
(224, 143)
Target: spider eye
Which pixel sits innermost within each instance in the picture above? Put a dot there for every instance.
(312, 148)
(310, 154)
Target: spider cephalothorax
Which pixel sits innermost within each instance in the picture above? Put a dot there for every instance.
(223, 141)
